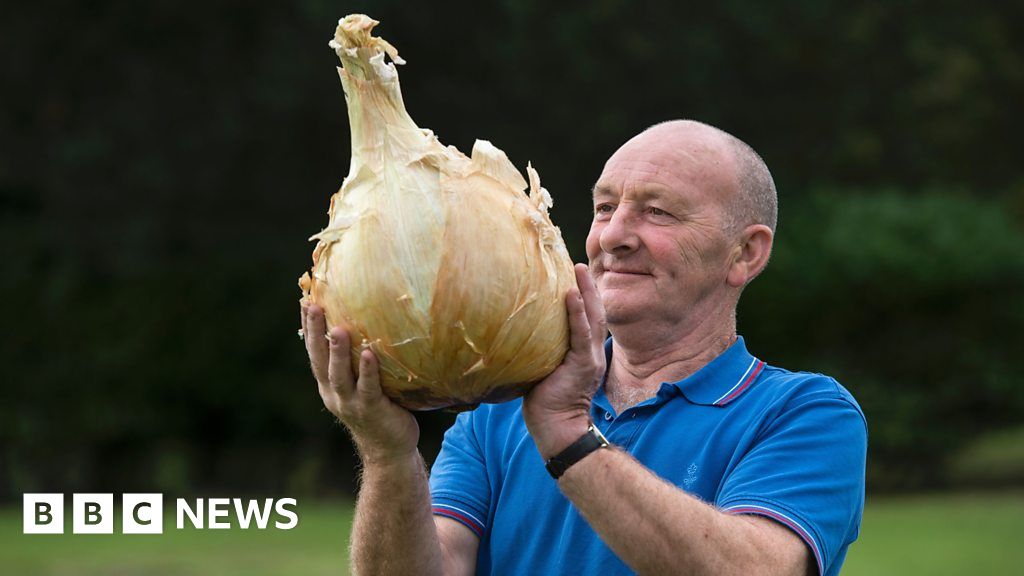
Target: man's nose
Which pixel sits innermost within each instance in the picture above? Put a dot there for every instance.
(619, 234)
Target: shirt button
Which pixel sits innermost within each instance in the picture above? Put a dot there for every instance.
(608, 416)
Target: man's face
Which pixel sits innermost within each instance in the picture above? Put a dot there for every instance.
(659, 244)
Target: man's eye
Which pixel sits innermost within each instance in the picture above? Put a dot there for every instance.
(658, 212)
(603, 209)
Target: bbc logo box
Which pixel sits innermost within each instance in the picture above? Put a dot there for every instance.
(93, 514)
(43, 514)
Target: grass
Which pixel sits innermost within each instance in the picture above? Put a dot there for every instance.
(940, 535)
(935, 535)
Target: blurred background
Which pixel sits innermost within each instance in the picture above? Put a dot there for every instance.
(163, 164)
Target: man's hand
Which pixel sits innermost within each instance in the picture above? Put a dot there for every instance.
(557, 411)
(382, 430)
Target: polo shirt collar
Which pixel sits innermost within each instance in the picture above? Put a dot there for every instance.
(720, 381)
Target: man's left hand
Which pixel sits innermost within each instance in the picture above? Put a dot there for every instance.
(557, 410)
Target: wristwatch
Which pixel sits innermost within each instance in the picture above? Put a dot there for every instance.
(591, 440)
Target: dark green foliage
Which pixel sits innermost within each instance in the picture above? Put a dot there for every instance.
(161, 165)
(915, 303)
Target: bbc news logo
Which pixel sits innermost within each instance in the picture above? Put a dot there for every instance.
(144, 513)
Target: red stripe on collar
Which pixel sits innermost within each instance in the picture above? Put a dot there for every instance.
(750, 379)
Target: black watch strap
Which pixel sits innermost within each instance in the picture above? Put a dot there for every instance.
(590, 441)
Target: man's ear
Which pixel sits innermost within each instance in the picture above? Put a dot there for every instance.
(751, 255)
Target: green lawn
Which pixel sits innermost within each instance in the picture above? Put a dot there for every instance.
(940, 535)
(933, 535)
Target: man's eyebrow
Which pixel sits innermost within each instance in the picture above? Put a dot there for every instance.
(645, 194)
(600, 190)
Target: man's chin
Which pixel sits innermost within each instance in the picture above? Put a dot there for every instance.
(624, 313)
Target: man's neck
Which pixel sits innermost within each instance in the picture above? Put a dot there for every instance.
(644, 356)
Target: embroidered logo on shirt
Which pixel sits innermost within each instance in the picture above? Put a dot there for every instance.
(691, 476)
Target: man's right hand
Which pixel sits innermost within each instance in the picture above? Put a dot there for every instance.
(382, 430)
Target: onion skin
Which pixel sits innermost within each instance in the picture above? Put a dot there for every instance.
(439, 263)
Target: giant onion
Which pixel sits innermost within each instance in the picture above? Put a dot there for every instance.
(439, 263)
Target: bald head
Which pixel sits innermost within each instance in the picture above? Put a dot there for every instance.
(752, 198)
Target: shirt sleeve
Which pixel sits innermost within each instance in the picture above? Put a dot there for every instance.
(459, 486)
(806, 471)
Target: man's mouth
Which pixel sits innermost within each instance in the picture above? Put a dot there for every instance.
(627, 271)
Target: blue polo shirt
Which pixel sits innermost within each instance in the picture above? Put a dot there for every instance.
(745, 436)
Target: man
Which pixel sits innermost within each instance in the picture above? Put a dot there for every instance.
(716, 463)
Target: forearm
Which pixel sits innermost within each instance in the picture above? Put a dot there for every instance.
(394, 531)
(656, 528)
